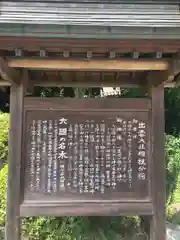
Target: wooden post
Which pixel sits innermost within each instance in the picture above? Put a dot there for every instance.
(14, 163)
(158, 221)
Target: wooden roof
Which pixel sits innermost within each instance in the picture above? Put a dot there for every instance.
(120, 19)
(117, 43)
(93, 13)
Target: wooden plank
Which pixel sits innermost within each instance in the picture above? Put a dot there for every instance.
(158, 223)
(111, 209)
(95, 45)
(4, 83)
(110, 79)
(174, 69)
(156, 79)
(85, 104)
(91, 84)
(14, 163)
(85, 84)
(90, 65)
(165, 78)
(84, 79)
(8, 74)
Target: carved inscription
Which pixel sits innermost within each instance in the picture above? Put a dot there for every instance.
(87, 154)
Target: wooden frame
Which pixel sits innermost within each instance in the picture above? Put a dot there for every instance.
(90, 209)
(158, 221)
(8, 74)
(36, 103)
(14, 162)
(154, 208)
(131, 206)
(77, 45)
(92, 73)
(90, 65)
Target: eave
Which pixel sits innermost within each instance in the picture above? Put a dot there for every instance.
(110, 32)
(89, 72)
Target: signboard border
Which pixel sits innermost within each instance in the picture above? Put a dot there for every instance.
(122, 207)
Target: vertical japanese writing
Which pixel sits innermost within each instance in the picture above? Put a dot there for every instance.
(79, 130)
(50, 158)
(55, 144)
(92, 156)
(108, 158)
(80, 163)
(119, 143)
(71, 133)
(102, 156)
(129, 141)
(38, 155)
(62, 154)
(97, 147)
(141, 151)
(125, 151)
(86, 158)
(44, 154)
(113, 156)
(87, 155)
(135, 129)
(33, 155)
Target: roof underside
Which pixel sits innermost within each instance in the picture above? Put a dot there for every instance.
(120, 19)
(104, 28)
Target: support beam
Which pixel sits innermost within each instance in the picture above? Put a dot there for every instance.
(158, 222)
(84, 79)
(96, 84)
(164, 78)
(155, 79)
(90, 65)
(174, 69)
(28, 85)
(177, 81)
(145, 87)
(4, 83)
(8, 74)
(158, 78)
(14, 162)
(96, 79)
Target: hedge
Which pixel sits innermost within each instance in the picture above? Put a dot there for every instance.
(3, 177)
(172, 153)
(4, 123)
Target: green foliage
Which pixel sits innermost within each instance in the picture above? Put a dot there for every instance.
(170, 211)
(176, 195)
(4, 123)
(173, 215)
(80, 228)
(3, 178)
(172, 113)
(131, 93)
(172, 153)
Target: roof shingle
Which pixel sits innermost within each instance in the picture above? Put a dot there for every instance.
(132, 14)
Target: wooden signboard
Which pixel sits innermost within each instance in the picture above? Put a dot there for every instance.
(74, 157)
(86, 153)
